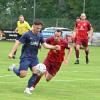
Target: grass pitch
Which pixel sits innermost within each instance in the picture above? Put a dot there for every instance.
(72, 82)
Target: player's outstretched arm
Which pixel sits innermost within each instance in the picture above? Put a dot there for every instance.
(10, 55)
(48, 46)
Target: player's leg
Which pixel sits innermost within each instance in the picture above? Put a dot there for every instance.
(85, 44)
(17, 38)
(34, 79)
(74, 44)
(37, 81)
(36, 76)
(48, 73)
(77, 53)
(52, 70)
(48, 76)
(22, 70)
(87, 53)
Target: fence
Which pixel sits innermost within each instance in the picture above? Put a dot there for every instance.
(8, 35)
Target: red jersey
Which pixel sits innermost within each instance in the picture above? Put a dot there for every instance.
(57, 55)
(82, 28)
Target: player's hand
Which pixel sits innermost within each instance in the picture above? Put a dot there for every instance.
(57, 47)
(10, 55)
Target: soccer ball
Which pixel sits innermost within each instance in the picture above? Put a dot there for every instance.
(41, 67)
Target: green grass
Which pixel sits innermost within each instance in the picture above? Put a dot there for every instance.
(73, 82)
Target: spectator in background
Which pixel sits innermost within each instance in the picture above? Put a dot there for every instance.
(1, 34)
(22, 27)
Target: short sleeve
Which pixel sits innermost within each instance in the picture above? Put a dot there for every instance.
(28, 26)
(42, 39)
(48, 40)
(23, 38)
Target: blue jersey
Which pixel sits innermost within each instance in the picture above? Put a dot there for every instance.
(31, 44)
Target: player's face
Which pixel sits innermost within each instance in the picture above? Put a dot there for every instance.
(83, 16)
(21, 19)
(57, 36)
(37, 28)
(69, 38)
(78, 19)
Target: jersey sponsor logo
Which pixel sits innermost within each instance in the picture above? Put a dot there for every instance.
(82, 28)
(34, 43)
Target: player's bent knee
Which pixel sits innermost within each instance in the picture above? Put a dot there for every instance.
(23, 74)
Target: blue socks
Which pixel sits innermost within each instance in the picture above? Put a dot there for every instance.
(16, 71)
(32, 80)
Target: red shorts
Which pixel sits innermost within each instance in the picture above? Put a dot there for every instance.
(52, 67)
(83, 42)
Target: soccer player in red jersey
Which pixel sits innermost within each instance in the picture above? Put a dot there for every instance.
(82, 29)
(55, 58)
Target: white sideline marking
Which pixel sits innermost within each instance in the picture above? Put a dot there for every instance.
(2, 75)
(7, 82)
(79, 71)
(6, 75)
(55, 80)
(75, 80)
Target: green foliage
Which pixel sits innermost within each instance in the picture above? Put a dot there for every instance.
(48, 9)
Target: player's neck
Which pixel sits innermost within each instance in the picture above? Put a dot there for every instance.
(83, 20)
(21, 22)
(34, 32)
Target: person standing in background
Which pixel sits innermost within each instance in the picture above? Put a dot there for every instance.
(83, 32)
(22, 27)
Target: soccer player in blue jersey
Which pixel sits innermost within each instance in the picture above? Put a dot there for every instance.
(31, 41)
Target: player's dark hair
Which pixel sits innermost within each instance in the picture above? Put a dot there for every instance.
(58, 30)
(38, 22)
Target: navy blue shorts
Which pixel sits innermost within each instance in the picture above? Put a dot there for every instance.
(18, 36)
(26, 63)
